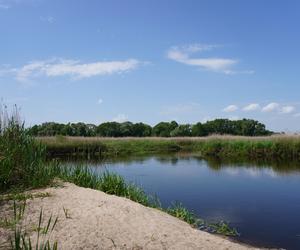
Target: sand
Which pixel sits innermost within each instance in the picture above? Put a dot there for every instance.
(100, 221)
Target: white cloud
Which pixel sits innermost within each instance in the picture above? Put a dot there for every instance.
(71, 68)
(230, 108)
(297, 115)
(100, 101)
(252, 107)
(287, 109)
(270, 107)
(182, 55)
(120, 118)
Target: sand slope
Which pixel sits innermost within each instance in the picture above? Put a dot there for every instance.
(101, 221)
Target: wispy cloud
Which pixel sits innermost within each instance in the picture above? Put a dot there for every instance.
(297, 115)
(48, 19)
(287, 109)
(217, 64)
(71, 68)
(120, 118)
(231, 108)
(273, 106)
(252, 107)
(100, 101)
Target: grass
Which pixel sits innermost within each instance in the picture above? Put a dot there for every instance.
(22, 158)
(224, 229)
(181, 212)
(278, 147)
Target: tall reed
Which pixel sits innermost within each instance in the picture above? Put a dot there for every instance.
(22, 159)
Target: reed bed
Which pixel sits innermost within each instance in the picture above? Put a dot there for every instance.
(275, 147)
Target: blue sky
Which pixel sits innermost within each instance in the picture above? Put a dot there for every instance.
(151, 61)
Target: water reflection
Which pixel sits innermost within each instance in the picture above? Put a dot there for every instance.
(253, 168)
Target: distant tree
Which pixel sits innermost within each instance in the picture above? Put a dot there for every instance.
(199, 130)
(164, 129)
(182, 130)
(126, 129)
(245, 127)
(109, 129)
(141, 130)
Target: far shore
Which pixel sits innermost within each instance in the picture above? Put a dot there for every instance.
(275, 147)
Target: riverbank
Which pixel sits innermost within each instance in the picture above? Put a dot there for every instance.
(91, 219)
(279, 147)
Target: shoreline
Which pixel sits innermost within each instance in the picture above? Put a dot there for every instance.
(100, 221)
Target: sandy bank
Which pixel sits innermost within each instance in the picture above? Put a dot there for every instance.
(101, 221)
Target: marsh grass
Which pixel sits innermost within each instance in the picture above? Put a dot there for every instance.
(22, 158)
(277, 147)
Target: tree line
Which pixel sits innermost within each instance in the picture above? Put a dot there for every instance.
(244, 127)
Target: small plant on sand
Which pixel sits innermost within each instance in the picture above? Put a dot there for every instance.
(21, 240)
(181, 212)
(18, 213)
(66, 212)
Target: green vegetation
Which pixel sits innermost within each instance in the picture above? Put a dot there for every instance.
(181, 212)
(244, 127)
(224, 229)
(22, 159)
(271, 148)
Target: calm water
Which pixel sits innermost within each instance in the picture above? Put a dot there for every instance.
(262, 202)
